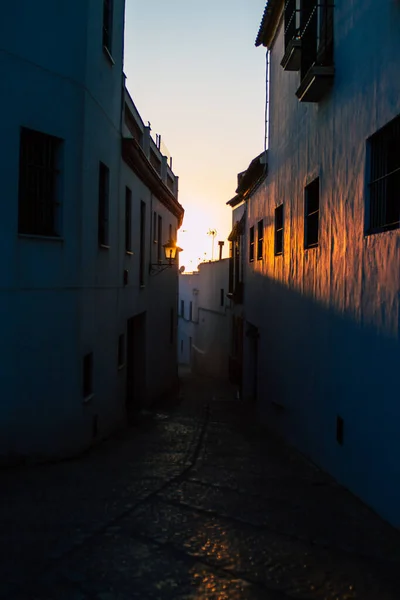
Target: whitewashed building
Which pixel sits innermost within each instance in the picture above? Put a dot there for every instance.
(203, 328)
(323, 294)
(83, 324)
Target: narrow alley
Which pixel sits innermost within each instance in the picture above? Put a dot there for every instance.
(196, 501)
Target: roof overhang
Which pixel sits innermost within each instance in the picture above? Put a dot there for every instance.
(270, 22)
(136, 160)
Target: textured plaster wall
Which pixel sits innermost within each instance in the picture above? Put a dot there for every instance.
(60, 299)
(210, 329)
(328, 317)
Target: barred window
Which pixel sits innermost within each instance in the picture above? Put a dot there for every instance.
(279, 230)
(128, 220)
(316, 26)
(107, 24)
(384, 178)
(104, 191)
(292, 20)
(251, 248)
(311, 214)
(38, 208)
(260, 239)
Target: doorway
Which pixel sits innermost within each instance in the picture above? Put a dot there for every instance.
(135, 363)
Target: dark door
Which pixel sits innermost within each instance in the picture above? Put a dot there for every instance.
(135, 363)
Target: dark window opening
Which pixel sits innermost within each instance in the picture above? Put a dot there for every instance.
(107, 24)
(155, 227)
(104, 191)
(316, 25)
(251, 242)
(260, 239)
(142, 242)
(311, 214)
(159, 239)
(279, 230)
(87, 375)
(231, 267)
(121, 350)
(190, 311)
(221, 298)
(128, 220)
(171, 326)
(384, 178)
(182, 308)
(292, 20)
(38, 181)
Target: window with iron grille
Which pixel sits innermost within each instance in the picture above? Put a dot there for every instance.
(260, 239)
(128, 220)
(87, 375)
(142, 242)
(39, 205)
(384, 178)
(279, 230)
(251, 244)
(316, 30)
(108, 6)
(292, 21)
(311, 214)
(121, 350)
(104, 192)
(159, 239)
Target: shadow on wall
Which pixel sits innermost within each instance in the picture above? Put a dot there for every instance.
(330, 385)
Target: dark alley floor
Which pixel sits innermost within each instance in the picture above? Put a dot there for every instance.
(195, 502)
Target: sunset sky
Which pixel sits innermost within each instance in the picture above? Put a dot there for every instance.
(193, 72)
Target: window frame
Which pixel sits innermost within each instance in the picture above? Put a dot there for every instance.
(251, 244)
(49, 174)
(279, 231)
(314, 214)
(182, 309)
(260, 239)
(379, 153)
(159, 238)
(103, 216)
(142, 244)
(87, 376)
(128, 220)
(107, 37)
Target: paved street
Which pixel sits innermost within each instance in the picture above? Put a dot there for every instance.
(194, 502)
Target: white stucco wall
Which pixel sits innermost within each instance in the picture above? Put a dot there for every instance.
(62, 298)
(209, 328)
(328, 317)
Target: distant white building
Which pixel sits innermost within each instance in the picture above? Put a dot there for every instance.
(322, 277)
(86, 324)
(203, 328)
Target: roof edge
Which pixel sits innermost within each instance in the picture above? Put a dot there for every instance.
(269, 23)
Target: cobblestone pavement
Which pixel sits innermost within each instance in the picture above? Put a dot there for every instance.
(197, 502)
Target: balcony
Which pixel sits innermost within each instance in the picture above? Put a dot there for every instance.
(316, 83)
(291, 60)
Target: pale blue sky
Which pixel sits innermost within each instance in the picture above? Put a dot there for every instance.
(195, 74)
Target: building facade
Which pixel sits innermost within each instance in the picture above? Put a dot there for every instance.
(203, 328)
(71, 284)
(324, 293)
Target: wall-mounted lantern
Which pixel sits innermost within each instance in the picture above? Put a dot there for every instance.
(170, 251)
